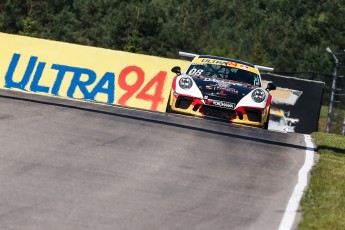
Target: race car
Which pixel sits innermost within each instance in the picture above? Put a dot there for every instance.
(222, 88)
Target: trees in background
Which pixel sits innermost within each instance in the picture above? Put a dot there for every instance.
(288, 35)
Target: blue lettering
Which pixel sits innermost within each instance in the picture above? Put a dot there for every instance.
(106, 85)
(35, 87)
(76, 82)
(109, 78)
(9, 83)
(62, 69)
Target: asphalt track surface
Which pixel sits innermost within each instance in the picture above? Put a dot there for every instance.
(73, 165)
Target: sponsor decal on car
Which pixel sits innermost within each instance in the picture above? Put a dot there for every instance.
(224, 86)
(222, 81)
(224, 104)
(225, 63)
(233, 91)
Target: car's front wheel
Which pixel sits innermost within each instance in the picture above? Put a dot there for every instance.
(168, 109)
(265, 126)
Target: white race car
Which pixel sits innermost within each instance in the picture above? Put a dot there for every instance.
(221, 87)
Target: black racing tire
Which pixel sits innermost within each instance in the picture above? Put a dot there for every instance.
(265, 126)
(168, 109)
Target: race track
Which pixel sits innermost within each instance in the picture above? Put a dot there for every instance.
(81, 166)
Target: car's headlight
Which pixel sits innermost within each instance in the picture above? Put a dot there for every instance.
(185, 83)
(258, 95)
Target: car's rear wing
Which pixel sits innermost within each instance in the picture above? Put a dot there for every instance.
(185, 54)
(264, 68)
(259, 67)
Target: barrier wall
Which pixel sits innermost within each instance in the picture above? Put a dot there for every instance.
(85, 73)
(300, 99)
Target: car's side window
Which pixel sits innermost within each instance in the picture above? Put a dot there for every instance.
(256, 81)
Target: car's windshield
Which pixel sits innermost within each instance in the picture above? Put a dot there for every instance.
(224, 72)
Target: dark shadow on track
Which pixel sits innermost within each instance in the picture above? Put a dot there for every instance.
(128, 116)
(334, 149)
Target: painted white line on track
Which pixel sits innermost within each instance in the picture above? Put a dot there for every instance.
(292, 207)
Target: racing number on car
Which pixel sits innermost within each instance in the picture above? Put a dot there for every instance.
(157, 82)
(195, 71)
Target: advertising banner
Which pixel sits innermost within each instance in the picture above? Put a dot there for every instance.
(85, 73)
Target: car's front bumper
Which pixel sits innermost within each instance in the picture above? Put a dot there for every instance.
(199, 107)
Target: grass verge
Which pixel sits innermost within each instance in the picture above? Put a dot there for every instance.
(337, 120)
(323, 204)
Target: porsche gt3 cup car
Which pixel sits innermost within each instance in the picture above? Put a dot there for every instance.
(223, 88)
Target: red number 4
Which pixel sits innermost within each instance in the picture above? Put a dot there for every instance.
(157, 82)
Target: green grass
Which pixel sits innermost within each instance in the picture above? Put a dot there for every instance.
(323, 204)
(337, 120)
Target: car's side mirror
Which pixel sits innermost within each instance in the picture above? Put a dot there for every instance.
(177, 70)
(270, 86)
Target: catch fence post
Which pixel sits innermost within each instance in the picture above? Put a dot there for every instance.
(330, 108)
